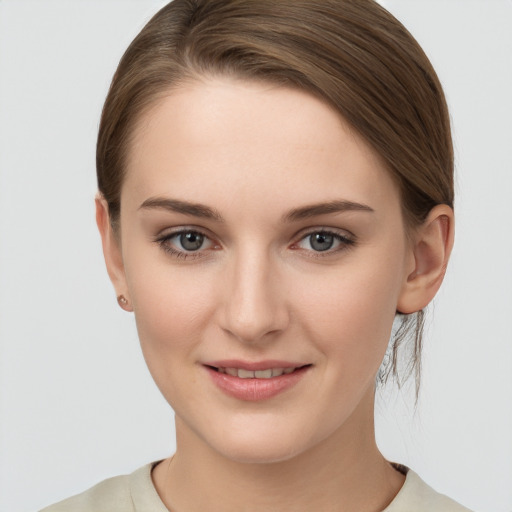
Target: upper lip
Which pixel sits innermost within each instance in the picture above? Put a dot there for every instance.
(253, 366)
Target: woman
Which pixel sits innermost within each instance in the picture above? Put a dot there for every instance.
(275, 187)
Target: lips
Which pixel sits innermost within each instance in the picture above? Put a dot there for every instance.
(255, 381)
(242, 373)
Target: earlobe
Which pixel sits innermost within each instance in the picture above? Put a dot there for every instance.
(112, 252)
(431, 246)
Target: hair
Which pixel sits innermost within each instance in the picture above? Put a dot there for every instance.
(352, 54)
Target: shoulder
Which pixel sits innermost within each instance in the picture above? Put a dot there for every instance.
(126, 493)
(112, 494)
(417, 496)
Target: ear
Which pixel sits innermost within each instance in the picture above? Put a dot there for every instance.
(431, 246)
(112, 252)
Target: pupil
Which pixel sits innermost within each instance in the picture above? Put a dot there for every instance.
(191, 241)
(321, 241)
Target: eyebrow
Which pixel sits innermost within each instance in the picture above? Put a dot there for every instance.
(296, 214)
(184, 207)
(313, 210)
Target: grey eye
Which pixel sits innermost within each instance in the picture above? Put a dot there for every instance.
(321, 241)
(191, 241)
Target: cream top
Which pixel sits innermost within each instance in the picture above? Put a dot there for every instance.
(136, 493)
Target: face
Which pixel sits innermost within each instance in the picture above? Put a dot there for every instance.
(264, 254)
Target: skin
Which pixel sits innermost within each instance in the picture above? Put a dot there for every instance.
(257, 290)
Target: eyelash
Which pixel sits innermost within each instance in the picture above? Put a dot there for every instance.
(163, 241)
(345, 242)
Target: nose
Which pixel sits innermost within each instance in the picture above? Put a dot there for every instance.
(254, 307)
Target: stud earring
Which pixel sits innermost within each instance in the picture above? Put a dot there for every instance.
(122, 301)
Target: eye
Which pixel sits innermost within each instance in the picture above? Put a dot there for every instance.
(191, 241)
(321, 241)
(324, 241)
(185, 243)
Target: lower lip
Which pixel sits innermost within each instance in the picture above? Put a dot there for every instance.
(254, 390)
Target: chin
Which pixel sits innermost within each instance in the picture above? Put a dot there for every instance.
(256, 443)
(258, 453)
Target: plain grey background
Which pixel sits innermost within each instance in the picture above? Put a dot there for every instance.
(77, 404)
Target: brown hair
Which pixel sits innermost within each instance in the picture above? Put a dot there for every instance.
(353, 54)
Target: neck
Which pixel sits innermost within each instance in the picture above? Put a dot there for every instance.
(344, 472)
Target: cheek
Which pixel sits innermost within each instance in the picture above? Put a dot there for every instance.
(172, 307)
(349, 314)
(172, 310)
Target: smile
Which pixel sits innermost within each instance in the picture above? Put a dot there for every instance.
(257, 381)
(242, 373)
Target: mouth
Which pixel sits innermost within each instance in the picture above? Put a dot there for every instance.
(268, 373)
(255, 381)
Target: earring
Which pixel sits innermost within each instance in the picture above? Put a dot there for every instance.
(122, 301)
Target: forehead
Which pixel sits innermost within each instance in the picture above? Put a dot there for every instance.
(227, 140)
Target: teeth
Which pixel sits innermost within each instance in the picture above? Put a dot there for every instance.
(258, 374)
(263, 374)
